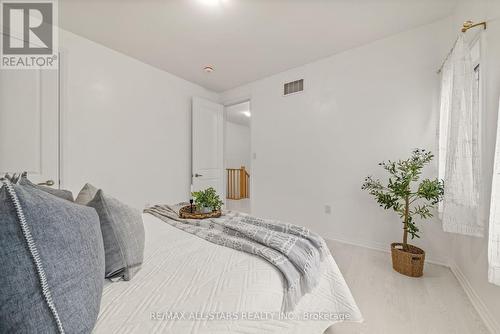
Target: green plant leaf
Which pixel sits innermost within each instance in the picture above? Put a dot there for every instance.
(207, 198)
(399, 195)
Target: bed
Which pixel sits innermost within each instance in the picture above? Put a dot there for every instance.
(189, 285)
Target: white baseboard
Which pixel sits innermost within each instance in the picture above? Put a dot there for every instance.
(490, 322)
(386, 248)
(488, 319)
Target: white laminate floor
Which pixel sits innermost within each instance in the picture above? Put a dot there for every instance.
(242, 205)
(393, 303)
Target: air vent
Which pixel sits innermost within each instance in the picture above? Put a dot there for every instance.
(293, 87)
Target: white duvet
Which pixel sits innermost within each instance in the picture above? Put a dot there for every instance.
(189, 285)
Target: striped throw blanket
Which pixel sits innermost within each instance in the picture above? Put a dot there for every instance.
(294, 250)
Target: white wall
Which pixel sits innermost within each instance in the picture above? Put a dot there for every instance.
(359, 107)
(126, 125)
(237, 143)
(470, 255)
(126, 128)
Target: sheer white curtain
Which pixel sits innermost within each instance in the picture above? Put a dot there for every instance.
(459, 149)
(494, 239)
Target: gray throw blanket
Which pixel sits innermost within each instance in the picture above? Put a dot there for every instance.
(294, 250)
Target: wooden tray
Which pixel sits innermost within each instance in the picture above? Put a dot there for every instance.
(185, 213)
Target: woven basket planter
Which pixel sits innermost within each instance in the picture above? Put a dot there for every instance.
(409, 262)
(185, 213)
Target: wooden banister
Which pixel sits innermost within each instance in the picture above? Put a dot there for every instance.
(238, 183)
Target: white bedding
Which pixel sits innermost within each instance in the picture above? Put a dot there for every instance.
(190, 277)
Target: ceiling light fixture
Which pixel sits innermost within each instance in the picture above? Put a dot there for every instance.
(208, 69)
(210, 2)
(246, 113)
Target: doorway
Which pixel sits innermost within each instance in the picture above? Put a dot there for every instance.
(237, 156)
(30, 125)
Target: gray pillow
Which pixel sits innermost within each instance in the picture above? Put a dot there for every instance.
(123, 234)
(71, 254)
(86, 194)
(61, 193)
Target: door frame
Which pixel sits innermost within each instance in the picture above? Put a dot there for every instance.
(224, 137)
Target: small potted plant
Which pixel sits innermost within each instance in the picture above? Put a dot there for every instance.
(207, 200)
(409, 199)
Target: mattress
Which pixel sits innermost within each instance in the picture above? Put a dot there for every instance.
(189, 285)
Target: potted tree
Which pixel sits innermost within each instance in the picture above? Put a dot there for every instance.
(409, 199)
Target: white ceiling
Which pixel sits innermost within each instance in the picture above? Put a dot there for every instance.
(244, 40)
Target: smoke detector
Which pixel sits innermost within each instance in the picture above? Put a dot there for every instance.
(208, 69)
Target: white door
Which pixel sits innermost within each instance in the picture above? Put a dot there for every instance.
(207, 142)
(29, 124)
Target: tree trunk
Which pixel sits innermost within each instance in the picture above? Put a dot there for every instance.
(405, 228)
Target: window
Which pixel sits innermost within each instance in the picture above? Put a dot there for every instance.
(476, 63)
(459, 140)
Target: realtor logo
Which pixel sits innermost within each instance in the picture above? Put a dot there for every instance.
(29, 35)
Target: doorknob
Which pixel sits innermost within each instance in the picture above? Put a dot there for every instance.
(48, 183)
(197, 175)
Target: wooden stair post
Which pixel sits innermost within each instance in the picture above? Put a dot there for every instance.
(238, 183)
(242, 182)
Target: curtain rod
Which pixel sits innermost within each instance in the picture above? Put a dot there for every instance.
(466, 26)
(469, 24)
